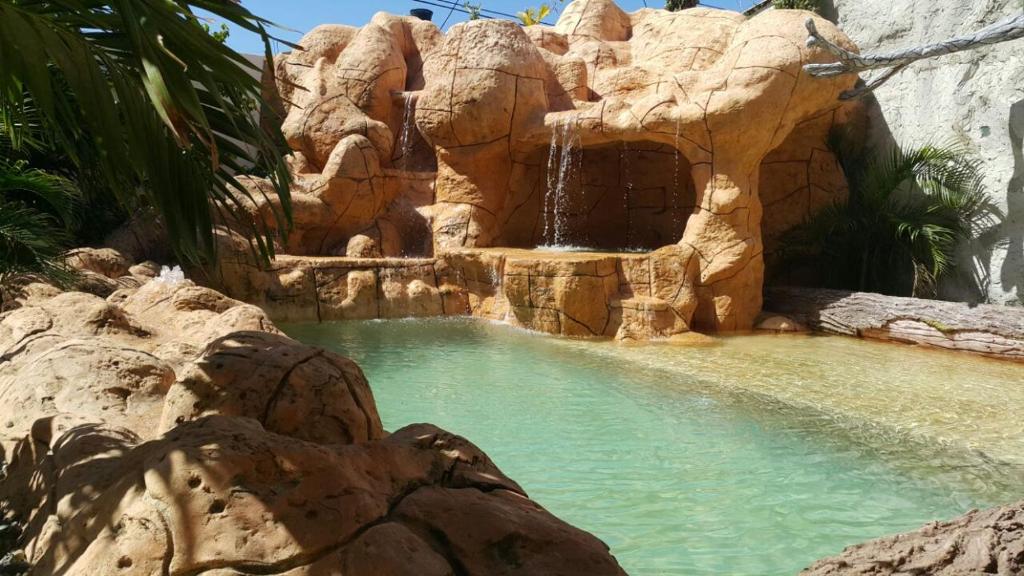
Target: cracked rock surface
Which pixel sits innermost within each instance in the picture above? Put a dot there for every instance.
(694, 136)
(171, 430)
(979, 542)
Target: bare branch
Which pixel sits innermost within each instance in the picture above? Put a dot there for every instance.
(1011, 28)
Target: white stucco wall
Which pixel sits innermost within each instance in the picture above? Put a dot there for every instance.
(978, 96)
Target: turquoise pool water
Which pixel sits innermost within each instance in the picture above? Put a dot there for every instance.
(754, 456)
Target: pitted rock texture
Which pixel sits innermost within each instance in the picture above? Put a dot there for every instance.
(176, 431)
(609, 130)
(979, 542)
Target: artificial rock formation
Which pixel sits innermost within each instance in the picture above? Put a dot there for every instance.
(984, 329)
(171, 430)
(653, 132)
(979, 542)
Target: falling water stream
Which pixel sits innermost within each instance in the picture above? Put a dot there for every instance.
(405, 138)
(627, 184)
(562, 160)
(675, 182)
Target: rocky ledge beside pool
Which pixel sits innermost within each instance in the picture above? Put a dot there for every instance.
(985, 329)
(979, 542)
(168, 429)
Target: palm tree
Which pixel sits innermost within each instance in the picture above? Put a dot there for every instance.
(676, 5)
(909, 215)
(164, 109)
(37, 212)
(812, 5)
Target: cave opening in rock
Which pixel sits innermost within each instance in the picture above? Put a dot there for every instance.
(624, 196)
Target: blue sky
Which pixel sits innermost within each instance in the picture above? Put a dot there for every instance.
(302, 15)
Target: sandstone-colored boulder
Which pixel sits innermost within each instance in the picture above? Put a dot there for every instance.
(75, 376)
(498, 532)
(779, 323)
(338, 96)
(979, 542)
(143, 237)
(20, 295)
(81, 315)
(391, 549)
(105, 261)
(319, 396)
(147, 269)
(176, 430)
(95, 284)
(184, 318)
(325, 41)
(222, 492)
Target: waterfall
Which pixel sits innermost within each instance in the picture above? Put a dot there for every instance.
(560, 170)
(494, 275)
(627, 179)
(675, 181)
(408, 125)
(552, 181)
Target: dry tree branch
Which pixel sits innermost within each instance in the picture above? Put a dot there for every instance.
(1011, 28)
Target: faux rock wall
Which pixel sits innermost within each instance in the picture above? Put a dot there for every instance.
(625, 296)
(611, 130)
(976, 97)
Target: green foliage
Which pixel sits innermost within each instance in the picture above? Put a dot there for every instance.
(220, 35)
(473, 10)
(909, 214)
(37, 212)
(677, 5)
(534, 16)
(137, 94)
(812, 5)
(97, 211)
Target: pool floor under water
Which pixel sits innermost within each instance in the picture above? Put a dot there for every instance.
(753, 457)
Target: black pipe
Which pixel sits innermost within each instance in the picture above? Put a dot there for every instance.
(422, 14)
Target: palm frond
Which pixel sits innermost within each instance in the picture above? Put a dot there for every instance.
(32, 245)
(909, 213)
(161, 100)
(47, 192)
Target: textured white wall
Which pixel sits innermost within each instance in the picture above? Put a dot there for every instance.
(977, 95)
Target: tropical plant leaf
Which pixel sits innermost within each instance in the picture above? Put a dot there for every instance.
(163, 103)
(44, 191)
(909, 214)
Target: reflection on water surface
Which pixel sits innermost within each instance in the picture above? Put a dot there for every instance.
(755, 456)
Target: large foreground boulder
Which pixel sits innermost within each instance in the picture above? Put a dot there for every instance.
(171, 430)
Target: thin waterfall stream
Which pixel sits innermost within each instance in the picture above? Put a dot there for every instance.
(675, 181)
(405, 137)
(627, 183)
(562, 159)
